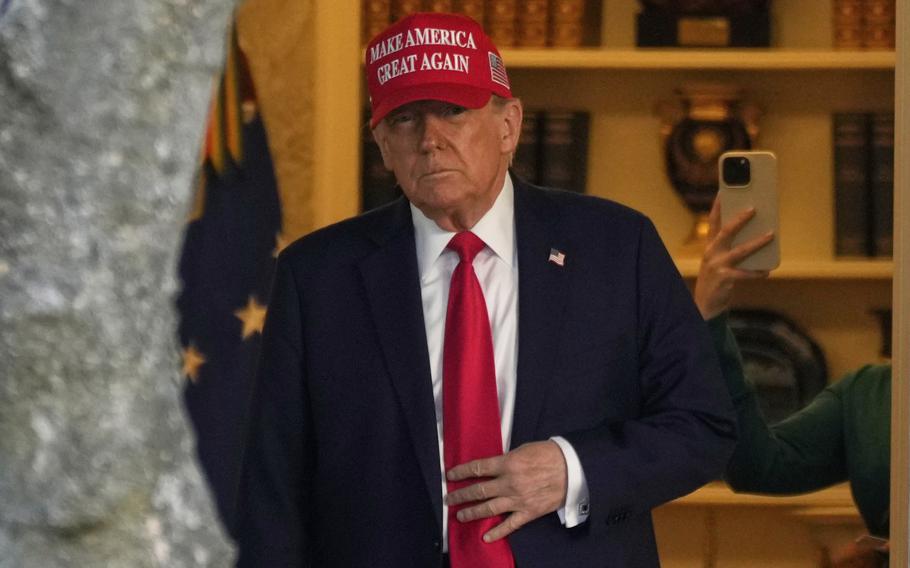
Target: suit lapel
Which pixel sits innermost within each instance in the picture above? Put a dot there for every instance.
(393, 289)
(542, 290)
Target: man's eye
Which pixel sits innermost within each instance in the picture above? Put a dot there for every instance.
(454, 110)
(401, 118)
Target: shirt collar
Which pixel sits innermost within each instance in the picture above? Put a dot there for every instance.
(496, 228)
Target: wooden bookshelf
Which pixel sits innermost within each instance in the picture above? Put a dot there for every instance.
(698, 59)
(719, 494)
(813, 269)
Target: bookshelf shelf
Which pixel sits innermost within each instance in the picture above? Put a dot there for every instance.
(748, 526)
(695, 59)
(718, 494)
(813, 269)
(738, 59)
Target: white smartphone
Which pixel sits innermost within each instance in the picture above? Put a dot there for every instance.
(749, 179)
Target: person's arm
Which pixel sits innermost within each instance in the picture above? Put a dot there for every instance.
(271, 527)
(685, 430)
(803, 453)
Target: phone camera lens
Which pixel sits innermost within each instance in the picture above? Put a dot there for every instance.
(737, 171)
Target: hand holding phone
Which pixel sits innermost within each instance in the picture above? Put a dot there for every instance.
(748, 179)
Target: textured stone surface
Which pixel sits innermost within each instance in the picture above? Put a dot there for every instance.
(102, 109)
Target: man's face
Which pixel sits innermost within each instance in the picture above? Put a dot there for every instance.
(450, 161)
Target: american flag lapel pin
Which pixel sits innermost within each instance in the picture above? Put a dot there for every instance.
(557, 257)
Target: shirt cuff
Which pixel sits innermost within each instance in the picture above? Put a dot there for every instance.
(576, 508)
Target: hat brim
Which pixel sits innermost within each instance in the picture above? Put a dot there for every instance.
(457, 94)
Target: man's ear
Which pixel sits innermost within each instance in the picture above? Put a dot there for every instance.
(379, 136)
(512, 114)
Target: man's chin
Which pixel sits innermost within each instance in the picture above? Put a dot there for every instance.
(442, 191)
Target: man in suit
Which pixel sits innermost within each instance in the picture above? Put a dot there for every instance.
(483, 373)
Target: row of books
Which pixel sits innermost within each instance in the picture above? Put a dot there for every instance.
(864, 24)
(510, 23)
(703, 24)
(552, 151)
(864, 183)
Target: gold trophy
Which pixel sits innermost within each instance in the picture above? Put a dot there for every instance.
(704, 121)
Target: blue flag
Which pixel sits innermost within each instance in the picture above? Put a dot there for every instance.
(226, 270)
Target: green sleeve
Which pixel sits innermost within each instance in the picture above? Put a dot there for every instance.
(803, 453)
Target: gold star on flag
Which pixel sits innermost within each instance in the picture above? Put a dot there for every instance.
(193, 359)
(253, 317)
(281, 242)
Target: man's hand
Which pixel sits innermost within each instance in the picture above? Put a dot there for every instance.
(526, 483)
(718, 272)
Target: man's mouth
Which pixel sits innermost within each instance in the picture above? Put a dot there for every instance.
(436, 173)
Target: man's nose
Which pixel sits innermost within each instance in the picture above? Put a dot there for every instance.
(432, 136)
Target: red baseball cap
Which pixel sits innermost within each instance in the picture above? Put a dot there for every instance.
(433, 56)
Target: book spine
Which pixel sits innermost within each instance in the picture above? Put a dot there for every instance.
(848, 24)
(882, 182)
(533, 23)
(851, 193)
(566, 18)
(376, 15)
(526, 161)
(501, 19)
(377, 184)
(402, 8)
(884, 320)
(471, 8)
(563, 150)
(580, 128)
(878, 24)
(440, 5)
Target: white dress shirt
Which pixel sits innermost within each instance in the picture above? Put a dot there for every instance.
(496, 267)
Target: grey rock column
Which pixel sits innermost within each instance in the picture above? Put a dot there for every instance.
(102, 110)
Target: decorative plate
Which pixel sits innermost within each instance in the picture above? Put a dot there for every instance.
(784, 363)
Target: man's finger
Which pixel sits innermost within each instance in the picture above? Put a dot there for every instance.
(511, 524)
(487, 467)
(480, 491)
(486, 509)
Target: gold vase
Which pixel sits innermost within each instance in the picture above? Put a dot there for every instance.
(701, 123)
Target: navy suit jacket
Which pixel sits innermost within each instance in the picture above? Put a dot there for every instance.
(342, 468)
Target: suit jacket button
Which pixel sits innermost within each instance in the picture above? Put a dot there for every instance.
(437, 545)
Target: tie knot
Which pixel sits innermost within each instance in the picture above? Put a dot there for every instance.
(467, 245)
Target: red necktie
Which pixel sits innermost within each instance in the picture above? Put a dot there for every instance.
(470, 406)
